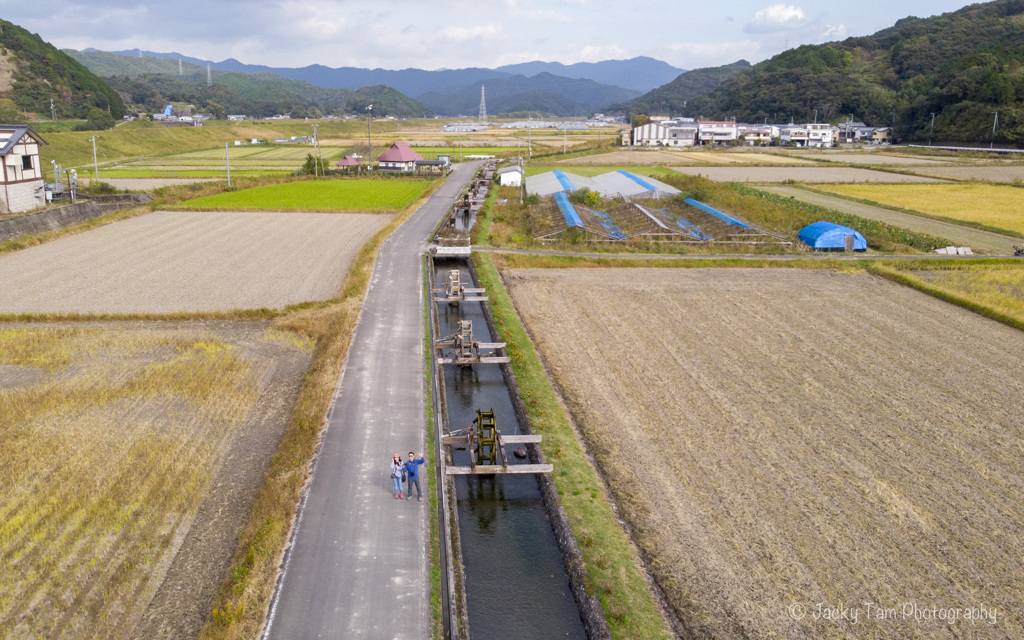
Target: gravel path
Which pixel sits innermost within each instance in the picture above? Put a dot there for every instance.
(165, 261)
(800, 174)
(976, 239)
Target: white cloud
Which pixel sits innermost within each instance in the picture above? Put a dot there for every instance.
(833, 32)
(471, 33)
(694, 55)
(591, 53)
(778, 17)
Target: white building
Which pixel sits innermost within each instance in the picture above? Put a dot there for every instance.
(671, 133)
(819, 135)
(795, 135)
(712, 131)
(22, 185)
(510, 176)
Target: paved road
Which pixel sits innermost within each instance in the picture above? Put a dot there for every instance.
(358, 565)
(976, 239)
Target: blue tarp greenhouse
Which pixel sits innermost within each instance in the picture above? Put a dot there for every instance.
(829, 236)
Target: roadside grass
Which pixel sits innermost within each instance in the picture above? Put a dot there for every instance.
(433, 490)
(986, 206)
(316, 195)
(249, 586)
(107, 455)
(612, 562)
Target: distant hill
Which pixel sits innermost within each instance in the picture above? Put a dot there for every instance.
(962, 66)
(32, 72)
(154, 82)
(639, 74)
(672, 98)
(543, 93)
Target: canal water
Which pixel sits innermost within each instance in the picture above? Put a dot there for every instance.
(516, 584)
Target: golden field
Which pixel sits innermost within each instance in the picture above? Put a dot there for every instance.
(993, 206)
(113, 438)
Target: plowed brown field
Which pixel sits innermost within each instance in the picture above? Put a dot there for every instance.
(784, 440)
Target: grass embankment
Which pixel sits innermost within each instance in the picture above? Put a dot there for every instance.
(316, 195)
(109, 449)
(249, 586)
(433, 495)
(612, 562)
(984, 206)
(187, 173)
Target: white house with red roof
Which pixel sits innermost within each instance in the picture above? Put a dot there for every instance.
(21, 183)
(399, 159)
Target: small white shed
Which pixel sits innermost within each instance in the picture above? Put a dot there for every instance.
(510, 176)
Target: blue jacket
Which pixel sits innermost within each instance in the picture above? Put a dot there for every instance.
(412, 467)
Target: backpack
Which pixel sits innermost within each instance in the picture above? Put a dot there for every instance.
(405, 478)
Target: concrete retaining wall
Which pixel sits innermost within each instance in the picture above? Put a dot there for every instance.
(60, 217)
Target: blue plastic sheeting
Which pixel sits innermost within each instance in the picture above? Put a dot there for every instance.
(614, 230)
(640, 181)
(564, 181)
(571, 217)
(687, 226)
(829, 235)
(724, 217)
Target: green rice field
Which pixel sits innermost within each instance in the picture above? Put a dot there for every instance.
(316, 195)
(430, 153)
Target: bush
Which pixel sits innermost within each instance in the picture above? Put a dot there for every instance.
(585, 196)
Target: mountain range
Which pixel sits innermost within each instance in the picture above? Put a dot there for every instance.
(639, 74)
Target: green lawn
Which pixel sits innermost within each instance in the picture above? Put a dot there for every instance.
(316, 195)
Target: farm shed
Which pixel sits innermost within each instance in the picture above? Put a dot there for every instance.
(510, 176)
(829, 236)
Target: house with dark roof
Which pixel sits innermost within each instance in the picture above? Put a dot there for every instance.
(21, 185)
(400, 158)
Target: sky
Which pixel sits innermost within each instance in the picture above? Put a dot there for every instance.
(434, 34)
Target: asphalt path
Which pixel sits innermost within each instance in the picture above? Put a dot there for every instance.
(357, 566)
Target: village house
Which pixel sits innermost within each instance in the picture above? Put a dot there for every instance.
(794, 135)
(712, 131)
(671, 133)
(510, 176)
(819, 134)
(23, 186)
(400, 158)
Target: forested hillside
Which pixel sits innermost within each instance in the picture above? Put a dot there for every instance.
(33, 72)
(961, 66)
(150, 83)
(674, 96)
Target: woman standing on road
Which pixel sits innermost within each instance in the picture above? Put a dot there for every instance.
(397, 470)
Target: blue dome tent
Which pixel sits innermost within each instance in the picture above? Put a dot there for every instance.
(829, 236)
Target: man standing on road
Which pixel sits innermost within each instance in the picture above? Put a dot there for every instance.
(412, 468)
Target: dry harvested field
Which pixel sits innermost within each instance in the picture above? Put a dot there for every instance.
(165, 262)
(743, 157)
(629, 157)
(132, 453)
(800, 174)
(148, 184)
(1004, 173)
(782, 438)
(880, 159)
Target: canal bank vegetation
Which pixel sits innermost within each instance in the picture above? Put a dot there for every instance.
(614, 568)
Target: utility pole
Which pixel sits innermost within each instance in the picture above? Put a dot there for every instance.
(316, 154)
(565, 139)
(930, 133)
(53, 110)
(995, 122)
(227, 162)
(95, 166)
(815, 116)
(369, 141)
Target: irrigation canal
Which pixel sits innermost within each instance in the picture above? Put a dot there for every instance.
(516, 584)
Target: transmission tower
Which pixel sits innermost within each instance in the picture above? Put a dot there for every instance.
(209, 78)
(483, 106)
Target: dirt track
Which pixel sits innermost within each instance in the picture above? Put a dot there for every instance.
(165, 262)
(782, 437)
